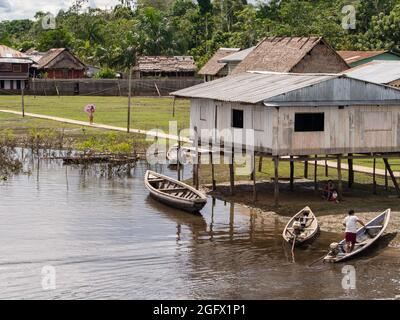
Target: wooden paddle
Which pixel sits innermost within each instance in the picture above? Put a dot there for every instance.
(294, 243)
(319, 259)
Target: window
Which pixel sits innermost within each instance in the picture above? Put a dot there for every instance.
(5, 67)
(309, 122)
(17, 68)
(12, 84)
(18, 84)
(237, 119)
(2, 84)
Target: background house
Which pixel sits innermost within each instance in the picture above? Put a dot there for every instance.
(14, 69)
(357, 58)
(379, 71)
(57, 63)
(215, 68)
(163, 66)
(298, 55)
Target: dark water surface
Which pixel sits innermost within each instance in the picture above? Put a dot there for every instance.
(107, 239)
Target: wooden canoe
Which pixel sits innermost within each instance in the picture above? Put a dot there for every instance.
(308, 234)
(366, 237)
(174, 193)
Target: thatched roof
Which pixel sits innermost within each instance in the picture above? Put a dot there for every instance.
(158, 64)
(213, 66)
(278, 54)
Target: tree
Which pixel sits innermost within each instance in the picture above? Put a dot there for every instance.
(58, 38)
(367, 9)
(205, 6)
(383, 32)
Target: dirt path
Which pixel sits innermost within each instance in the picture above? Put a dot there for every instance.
(360, 169)
(97, 125)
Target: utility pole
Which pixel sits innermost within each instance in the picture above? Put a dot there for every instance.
(129, 98)
(23, 99)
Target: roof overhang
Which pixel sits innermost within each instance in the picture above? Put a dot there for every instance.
(337, 103)
(23, 77)
(16, 60)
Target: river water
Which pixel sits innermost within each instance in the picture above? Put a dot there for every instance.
(106, 239)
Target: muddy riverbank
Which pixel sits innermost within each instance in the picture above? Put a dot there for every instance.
(330, 215)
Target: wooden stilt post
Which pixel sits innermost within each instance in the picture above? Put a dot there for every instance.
(386, 180)
(276, 180)
(260, 164)
(306, 169)
(214, 183)
(291, 174)
(196, 162)
(326, 169)
(254, 178)
(389, 169)
(340, 183)
(178, 163)
(23, 101)
(198, 170)
(316, 174)
(351, 171)
(232, 172)
(374, 178)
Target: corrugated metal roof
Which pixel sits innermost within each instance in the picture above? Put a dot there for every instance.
(355, 56)
(7, 52)
(237, 56)
(252, 87)
(383, 72)
(15, 60)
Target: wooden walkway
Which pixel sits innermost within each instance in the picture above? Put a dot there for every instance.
(99, 126)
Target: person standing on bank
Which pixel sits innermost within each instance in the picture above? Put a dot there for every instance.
(90, 110)
(350, 222)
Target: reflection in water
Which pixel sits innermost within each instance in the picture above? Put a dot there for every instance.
(108, 239)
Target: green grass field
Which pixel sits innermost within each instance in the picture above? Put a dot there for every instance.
(147, 113)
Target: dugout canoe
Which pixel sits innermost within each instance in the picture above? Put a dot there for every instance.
(308, 234)
(366, 237)
(174, 193)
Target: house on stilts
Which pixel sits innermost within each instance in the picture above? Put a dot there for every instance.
(298, 118)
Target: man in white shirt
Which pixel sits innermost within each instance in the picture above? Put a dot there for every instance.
(350, 222)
